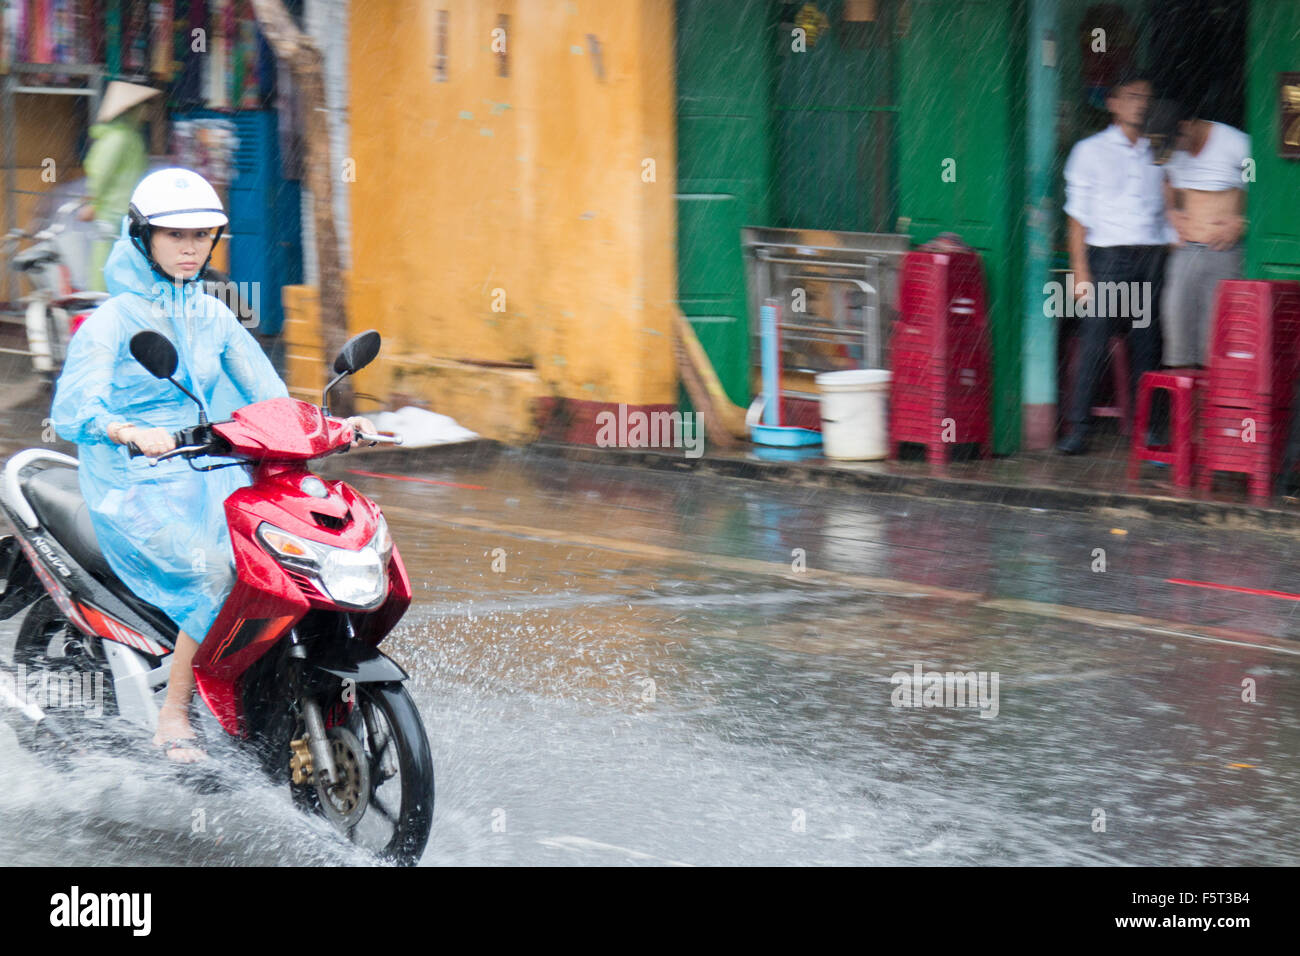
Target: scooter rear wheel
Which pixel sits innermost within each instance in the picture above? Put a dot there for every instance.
(48, 642)
(46, 636)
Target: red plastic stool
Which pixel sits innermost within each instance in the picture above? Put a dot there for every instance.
(1117, 352)
(1182, 384)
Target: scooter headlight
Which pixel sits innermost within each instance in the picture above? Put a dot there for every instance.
(356, 578)
(382, 541)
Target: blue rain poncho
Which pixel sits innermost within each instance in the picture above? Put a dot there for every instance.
(162, 529)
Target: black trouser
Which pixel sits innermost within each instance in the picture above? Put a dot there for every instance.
(1118, 264)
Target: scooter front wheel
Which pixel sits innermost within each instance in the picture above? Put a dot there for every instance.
(383, 800)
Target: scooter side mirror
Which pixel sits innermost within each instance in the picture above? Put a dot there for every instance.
(155, 353)
(358, 352)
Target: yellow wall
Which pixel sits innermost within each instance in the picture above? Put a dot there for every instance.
(530, 184)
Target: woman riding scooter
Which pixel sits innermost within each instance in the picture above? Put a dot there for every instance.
(163, 529)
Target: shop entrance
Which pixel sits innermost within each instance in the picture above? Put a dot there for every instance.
(1194, 53)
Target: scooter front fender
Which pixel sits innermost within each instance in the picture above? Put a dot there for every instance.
(356, 661)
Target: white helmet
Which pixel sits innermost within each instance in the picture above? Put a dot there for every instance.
(178, 199)
(173, 198)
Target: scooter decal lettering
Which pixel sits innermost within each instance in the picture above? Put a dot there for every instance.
(43, 546)
(54, 588)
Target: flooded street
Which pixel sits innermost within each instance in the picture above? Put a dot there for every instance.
(619, 666)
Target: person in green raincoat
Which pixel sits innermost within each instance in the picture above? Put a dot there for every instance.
(116, 161)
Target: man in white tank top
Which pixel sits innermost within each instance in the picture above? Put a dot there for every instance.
(1205, 200)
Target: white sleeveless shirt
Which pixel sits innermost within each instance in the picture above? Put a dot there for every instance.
(1220, 165)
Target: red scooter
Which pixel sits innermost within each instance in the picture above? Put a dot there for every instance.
(290, 670)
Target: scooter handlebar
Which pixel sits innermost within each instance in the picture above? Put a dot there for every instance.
(133, 450)
(376, 439)
(176, 452)
(191, 441)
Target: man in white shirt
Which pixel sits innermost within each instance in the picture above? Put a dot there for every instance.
(1205, 195)
(1118, 233)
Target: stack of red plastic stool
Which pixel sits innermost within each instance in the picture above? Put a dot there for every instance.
(939, 355)
(1184, 386)
(1253, 360)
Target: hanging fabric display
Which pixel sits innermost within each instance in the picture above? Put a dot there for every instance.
(230, 33)
(91, 27)
(40, 42)
(161, 40)
(248, 92)
(217, 60)
(135, 36)
(85, 29)
(41, 45)
(113, 38)
(63, 31)
(189, 50)
(206, 146)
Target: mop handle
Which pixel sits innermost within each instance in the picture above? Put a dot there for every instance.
(770, 332)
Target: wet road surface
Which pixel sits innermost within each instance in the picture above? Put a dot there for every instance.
(624, 667)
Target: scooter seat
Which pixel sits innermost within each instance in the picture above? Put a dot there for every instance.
(55, 495)
(33, 258)
(80, 301)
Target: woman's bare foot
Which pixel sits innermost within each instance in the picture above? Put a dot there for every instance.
(173, 727)
(174, 717)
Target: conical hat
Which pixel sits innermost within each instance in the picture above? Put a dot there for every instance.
(120, 97)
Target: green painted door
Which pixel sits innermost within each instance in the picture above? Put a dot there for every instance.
(724, 79)
(961, 160)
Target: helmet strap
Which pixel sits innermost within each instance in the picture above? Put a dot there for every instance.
(142, 237)
(203, 269)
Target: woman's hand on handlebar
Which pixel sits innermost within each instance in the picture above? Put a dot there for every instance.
(359, 425)
(151, 441)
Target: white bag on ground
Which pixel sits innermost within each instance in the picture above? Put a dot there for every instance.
(420, 427)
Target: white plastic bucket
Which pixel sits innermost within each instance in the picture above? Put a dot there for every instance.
(855, 423)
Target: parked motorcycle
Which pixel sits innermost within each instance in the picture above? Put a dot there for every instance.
(290, 672)
(53, 309)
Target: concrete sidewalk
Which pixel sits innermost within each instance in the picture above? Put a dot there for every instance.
(1095, 483)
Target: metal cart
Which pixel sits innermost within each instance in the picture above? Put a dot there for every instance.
(838, 295)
